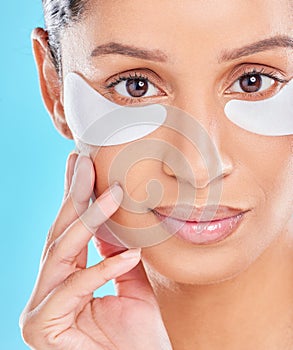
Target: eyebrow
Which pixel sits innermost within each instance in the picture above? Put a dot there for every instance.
(258, 46)
(129, 50)
(157, 55)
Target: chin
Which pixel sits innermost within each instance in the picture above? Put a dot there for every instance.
(189, 271)
(181, 262)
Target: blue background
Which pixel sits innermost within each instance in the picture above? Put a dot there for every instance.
(32, 168)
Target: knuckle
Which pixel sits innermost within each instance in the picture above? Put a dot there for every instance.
(34, 334)
(28, 330)
(21, 319)
(26, 333)
(48, 241)
(69, 282)
(56, 251)
(103, 265)
(50, 234)
(52, 249)
(35, 337)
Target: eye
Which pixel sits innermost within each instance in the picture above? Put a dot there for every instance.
(252, 83)
(137, 87)
(134, 86)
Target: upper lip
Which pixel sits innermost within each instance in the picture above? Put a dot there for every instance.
(186, 212)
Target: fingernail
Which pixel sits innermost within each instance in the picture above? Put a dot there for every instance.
(74, 151)
(71, 156)
(131, 253)
(79, 163)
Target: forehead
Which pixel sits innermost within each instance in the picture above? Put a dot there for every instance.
(162, 19)
(205, 27)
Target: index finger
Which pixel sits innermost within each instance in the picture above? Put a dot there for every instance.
(81, 178)
(60, 260)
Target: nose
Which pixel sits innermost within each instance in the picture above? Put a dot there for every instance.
(201, 177)
(199, 161)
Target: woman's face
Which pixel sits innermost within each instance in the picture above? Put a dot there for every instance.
(193, 71)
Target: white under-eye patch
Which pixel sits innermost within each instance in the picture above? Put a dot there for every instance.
(95, 120)
(270, 117)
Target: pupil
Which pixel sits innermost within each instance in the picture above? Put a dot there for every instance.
(137, 87)
(251, 83)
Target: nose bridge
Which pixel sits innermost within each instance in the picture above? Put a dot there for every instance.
(198, 98)
(196, 133)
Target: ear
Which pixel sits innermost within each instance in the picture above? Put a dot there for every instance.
(50, 82)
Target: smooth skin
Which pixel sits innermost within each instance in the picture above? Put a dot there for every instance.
(62, 313)
(236, 294)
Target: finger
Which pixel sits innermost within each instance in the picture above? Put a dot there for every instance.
(77, 200)
(80, 194)
(106, 243)
(133, 284)
(60, 260)
(69, 171)
(66, 297)
(81, 259)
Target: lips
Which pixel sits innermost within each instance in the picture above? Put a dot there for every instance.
(184, 212)
(205, 225)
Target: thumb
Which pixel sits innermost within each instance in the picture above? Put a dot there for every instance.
(134, 283)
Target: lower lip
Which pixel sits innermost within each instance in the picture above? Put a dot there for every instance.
(201, 233)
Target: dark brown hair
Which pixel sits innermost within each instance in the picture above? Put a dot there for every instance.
(59, 14)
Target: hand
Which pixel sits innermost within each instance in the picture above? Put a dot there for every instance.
(62, 312)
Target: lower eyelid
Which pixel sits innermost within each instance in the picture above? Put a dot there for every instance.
(118, 98)
(254, 96)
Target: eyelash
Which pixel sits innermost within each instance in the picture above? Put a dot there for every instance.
(254, 71)
(247, 72)
(125, 78)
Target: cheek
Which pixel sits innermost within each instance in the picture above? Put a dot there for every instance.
(264, 165)
(133, 175)
(139, 194)
(267, 165)
(277, 208)
(269, 162)
(101, 158)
